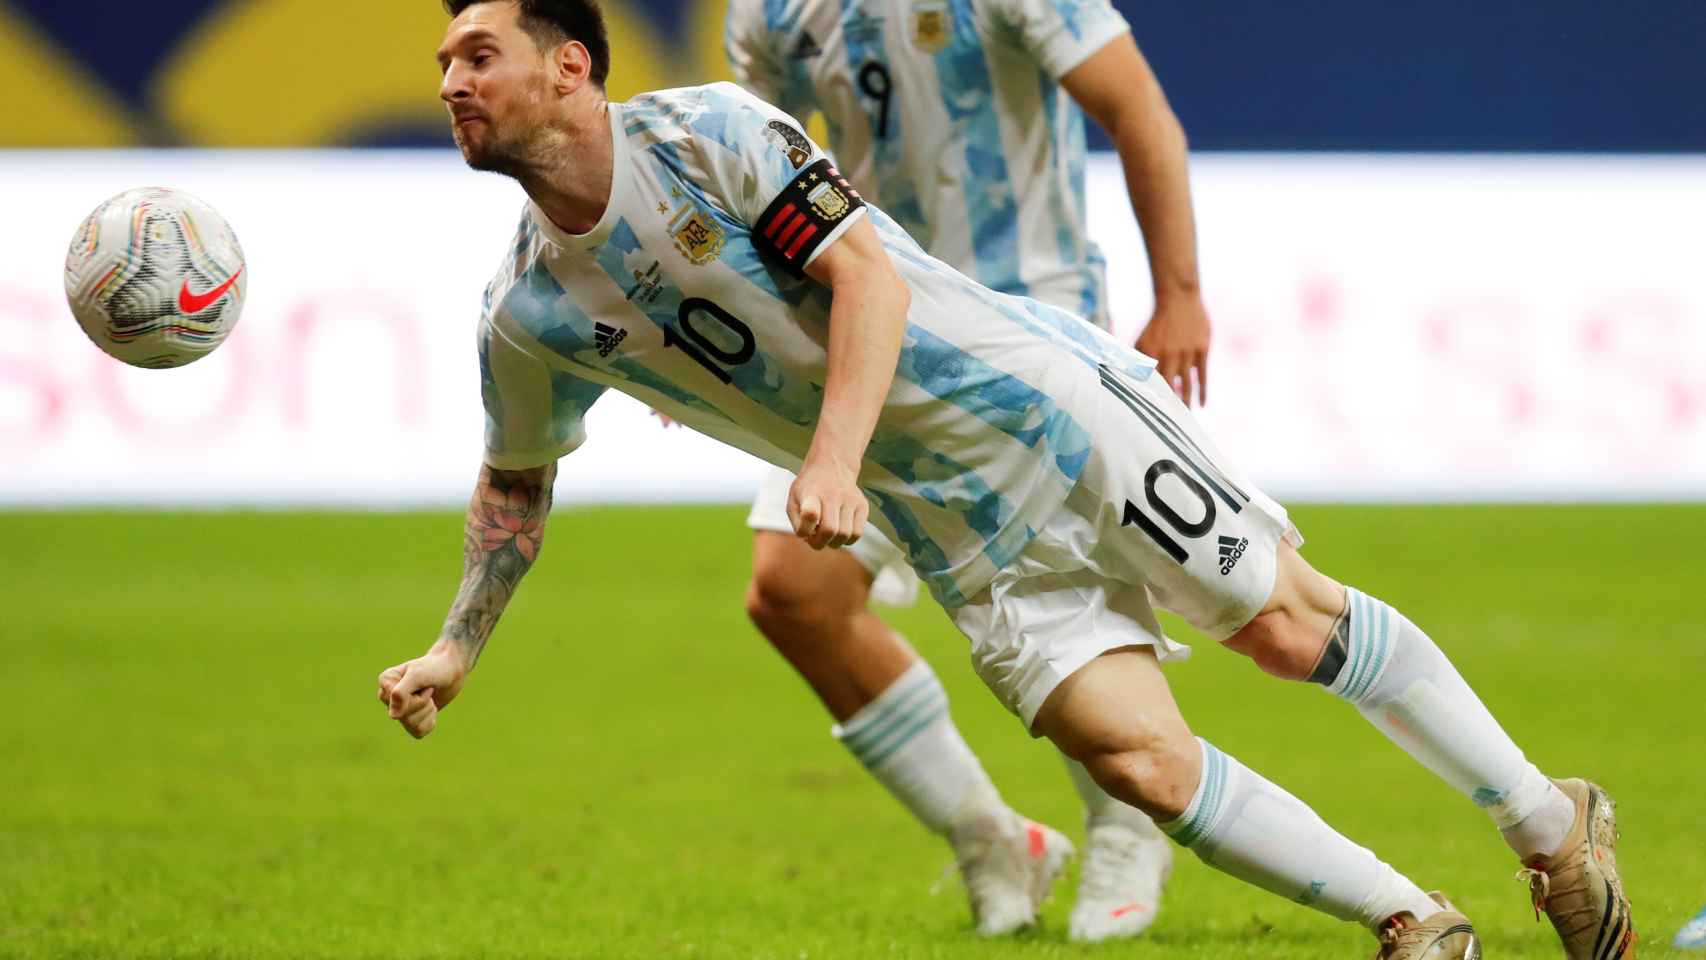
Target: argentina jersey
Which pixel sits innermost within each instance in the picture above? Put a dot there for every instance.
(949, 115)
(690, 294)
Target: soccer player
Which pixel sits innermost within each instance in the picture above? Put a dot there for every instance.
(1042, 480)
(962, 121)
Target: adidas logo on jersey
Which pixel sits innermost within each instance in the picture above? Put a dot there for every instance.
(1231, 548)
(607, 338)
(807, 48)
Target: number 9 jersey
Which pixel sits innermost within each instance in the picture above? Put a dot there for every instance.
(949, 115)
(689, 294)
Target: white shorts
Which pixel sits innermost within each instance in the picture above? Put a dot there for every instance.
(892, 581)
(1159, 518)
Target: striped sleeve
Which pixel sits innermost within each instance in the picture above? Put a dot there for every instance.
(778, 181)
(534, 414)
(749, 45)
(1061, 34)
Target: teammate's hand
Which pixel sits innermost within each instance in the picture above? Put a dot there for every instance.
(1177, 337)
(826, 506)
(414, 692)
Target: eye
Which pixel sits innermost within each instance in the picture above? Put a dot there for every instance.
(480, 59)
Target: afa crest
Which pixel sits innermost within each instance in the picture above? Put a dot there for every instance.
(697, 236)
(932, 25)
(828, 201)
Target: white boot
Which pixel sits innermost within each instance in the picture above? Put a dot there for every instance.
(1008, 864)
(1126, 864)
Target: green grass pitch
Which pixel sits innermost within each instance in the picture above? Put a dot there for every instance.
(193, 763)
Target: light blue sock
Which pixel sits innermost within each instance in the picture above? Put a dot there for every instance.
(907, 740)
(1243, 825)
(1401, 681)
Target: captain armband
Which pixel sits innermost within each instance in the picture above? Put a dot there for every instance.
(804, 215)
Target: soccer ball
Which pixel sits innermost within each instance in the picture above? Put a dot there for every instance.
(155, 277)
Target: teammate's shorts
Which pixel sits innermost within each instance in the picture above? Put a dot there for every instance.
(1159, 518)
(892, 580)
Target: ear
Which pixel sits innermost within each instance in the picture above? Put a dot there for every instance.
(572, 64)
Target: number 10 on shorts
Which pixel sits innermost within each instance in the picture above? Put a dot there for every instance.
(1193, 470)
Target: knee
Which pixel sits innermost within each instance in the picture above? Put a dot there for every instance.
(1159, 777)
(789, 610)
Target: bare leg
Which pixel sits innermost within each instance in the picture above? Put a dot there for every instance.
(891, 711)
(812, 607)
(1117, 717)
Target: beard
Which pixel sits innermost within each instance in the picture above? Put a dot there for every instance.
(488, 152)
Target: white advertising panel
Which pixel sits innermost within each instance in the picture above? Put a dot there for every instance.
(1385, 327)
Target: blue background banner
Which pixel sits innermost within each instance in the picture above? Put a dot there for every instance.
(1454, 75)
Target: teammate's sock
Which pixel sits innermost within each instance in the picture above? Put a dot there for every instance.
(1245, 826)
(909, 743)
(1100, 807)
(1401, 681)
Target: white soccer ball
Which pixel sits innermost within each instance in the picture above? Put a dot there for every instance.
(155, 277)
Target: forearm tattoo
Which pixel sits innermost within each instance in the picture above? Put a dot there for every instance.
(506, 526)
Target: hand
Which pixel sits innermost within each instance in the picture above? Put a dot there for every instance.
(664, 418)
(826, 506)
(415, 691)
(1177, 337)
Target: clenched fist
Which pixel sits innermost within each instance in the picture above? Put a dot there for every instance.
(413, 692)
(826, 506)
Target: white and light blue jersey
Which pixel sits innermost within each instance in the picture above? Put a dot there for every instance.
(689, 294)
(949, 114)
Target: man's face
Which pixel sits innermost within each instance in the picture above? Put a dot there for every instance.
(496, 85)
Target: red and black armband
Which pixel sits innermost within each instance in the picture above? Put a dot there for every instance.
(804, 215)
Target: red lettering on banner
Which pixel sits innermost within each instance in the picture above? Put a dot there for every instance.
(1641, 396)
(1482, 393)
(1320, 310)
(27, 319)
(35, 427)
(1321, 304)
(217, 416)
(408, 353)
(1289, 389)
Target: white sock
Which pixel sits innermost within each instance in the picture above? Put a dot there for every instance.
(1100, 807)
(1401, 681)
(1245, 826)
(910, 744)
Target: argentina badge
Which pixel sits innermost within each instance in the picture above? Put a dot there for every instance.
(932, 24)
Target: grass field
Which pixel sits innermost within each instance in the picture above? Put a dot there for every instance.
(193, 764)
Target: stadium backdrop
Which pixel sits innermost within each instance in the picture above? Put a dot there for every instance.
(1244, 74)
(1494, 293)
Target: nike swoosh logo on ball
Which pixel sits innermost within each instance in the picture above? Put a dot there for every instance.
(189, 303)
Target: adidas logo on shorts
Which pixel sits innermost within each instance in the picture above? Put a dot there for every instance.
(607, 338)
(1230, 550)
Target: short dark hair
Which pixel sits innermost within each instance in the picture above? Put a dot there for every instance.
(551, 22)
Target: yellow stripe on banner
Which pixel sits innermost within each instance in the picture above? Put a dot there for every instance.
(54, 101)
(707, 38)
(641, 59)
(304, 72)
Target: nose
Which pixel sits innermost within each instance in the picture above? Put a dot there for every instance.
(456, 84)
